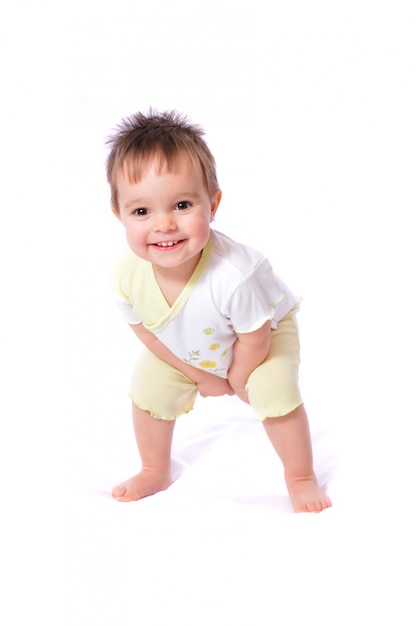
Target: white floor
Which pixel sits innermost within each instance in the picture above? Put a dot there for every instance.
(310, 113)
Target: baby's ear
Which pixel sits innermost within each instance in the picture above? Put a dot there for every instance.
(115, 212)
(215, 201)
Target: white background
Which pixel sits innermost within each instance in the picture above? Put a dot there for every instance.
(309, 110)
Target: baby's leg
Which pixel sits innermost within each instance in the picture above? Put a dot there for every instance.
(154, 435)
(154, 441)
(290, 438)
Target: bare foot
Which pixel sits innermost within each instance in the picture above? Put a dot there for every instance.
(139, 486)
(307, 496)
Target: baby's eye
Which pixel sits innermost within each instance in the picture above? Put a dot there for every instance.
(140, 212)
(183, 205)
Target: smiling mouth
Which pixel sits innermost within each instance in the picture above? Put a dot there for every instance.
(166, 244)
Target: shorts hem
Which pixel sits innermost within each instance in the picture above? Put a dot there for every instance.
(279, 413)
(166, 418)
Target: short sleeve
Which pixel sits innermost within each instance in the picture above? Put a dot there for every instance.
(119, 279)
(126, 310)
(259, 297)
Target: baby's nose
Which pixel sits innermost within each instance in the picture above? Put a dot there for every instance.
(166, 222)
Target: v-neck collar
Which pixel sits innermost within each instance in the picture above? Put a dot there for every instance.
(170, 311)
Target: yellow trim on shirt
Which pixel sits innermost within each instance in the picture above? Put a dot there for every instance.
(185, 293)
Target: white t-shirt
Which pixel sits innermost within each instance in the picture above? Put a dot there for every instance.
(232, 290)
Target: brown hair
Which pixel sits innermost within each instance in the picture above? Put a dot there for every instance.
(166, 136)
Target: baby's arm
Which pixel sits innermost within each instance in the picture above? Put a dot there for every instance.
(208, 384)
(250, 349)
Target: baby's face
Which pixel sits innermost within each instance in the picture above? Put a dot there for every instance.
(167, 215)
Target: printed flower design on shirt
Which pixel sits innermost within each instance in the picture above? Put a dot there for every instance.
(193, 356)
(208, 365)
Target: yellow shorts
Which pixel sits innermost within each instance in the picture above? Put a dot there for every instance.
(272, 387)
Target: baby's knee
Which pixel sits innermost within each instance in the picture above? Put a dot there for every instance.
(274, 394)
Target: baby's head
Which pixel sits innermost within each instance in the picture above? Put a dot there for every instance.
(162, 137)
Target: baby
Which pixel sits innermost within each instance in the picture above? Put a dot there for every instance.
(212, 316)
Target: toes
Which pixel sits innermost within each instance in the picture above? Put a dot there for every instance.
(119, 491)
(313, 506)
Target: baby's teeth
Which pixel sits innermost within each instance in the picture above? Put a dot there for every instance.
(167, 244)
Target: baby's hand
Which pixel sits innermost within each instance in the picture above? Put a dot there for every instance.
(214, 386)
(239, 389)
(242, 394)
